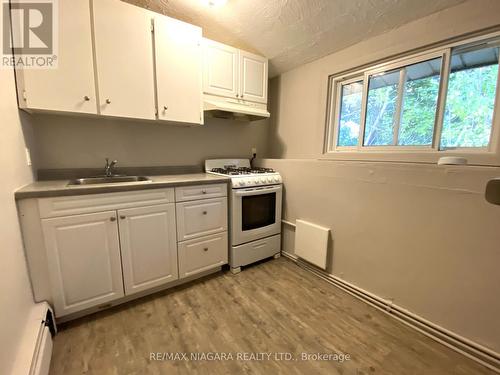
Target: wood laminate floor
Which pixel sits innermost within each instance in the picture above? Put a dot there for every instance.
(273, 307)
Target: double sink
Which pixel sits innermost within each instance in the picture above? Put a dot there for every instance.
(108, 180)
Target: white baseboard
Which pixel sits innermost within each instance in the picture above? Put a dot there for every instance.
(462, 345)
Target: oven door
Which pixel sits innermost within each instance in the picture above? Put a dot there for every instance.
(256, 213)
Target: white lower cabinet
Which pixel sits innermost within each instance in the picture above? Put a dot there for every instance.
(149, 247)
(100, 248)
(202, 254)
(84, 260)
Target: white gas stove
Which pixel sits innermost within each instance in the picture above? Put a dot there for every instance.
(241, 173)
(255, 210)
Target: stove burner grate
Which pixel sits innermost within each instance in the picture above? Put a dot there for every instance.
(233, 171)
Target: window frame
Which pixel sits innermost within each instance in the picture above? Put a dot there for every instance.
(331, 149)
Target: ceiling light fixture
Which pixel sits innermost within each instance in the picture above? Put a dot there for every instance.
(214, 3)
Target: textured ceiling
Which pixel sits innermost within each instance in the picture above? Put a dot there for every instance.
(294, 32)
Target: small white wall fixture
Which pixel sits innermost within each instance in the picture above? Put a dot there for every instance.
(311, 242)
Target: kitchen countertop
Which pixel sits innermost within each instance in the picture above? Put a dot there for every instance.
(57, 188)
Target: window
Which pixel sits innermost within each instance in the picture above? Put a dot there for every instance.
(441, 100)
(258, 211)
(381, 109)
(470, 98)
(402, 105)
(419, 103)
(350, 113)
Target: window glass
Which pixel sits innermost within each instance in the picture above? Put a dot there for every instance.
(470, 98)
(350, 113)
(381, 108)
(419, 105)
(258, 211)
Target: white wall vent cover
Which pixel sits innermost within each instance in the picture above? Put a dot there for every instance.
(311, 242)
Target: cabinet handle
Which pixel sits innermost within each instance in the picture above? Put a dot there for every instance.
(237, 96)
(203, 192)
(165, 107)
(242, 95)
(123, 217)
(108, 101)
(86, 98)
(112, 218)
(204, 212)
(205, 249)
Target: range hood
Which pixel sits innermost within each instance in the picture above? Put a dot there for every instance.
(232, 109)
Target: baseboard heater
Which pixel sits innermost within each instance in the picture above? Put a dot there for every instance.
(472, 350)
(35, 350)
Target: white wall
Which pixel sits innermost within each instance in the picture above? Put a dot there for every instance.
(71, 142)
(422, 235)
(16, 299)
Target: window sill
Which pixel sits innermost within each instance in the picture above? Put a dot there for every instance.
(479, 158)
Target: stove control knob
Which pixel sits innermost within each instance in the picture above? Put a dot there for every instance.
(276, 179)
(241, 183)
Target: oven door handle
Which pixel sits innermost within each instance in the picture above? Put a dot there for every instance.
(255, 191)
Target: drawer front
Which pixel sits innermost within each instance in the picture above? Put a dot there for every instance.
(191, 193)
(201, 218)
(202, 254)
(253, 251)
(81, 204)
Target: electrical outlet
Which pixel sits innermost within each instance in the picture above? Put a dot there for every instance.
(28, 156)
(254, 150)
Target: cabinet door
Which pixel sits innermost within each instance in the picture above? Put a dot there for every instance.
(253, 77)
(84, 260)
(201, 218)
(71, 86)
(220, 69)
(124, 59)
(178, 71)
(149, 247)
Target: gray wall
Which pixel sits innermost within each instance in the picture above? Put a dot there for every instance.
(418, 234)
(16, 299)
(68, 142)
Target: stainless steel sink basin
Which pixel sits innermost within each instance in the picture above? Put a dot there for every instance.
(108, 180)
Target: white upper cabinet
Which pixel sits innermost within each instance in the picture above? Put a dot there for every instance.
(83, 253)
(220, 69)
(124, 60)
(149, 247)
(234, 73)
(178, 56)
(70, 87)
(253, 77)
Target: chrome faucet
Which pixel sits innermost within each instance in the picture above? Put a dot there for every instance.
(108, 168)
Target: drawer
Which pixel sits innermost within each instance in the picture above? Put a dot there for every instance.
(202, 254)
(253, 251)
(82, 204)
(201, 218)
(191, 193)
